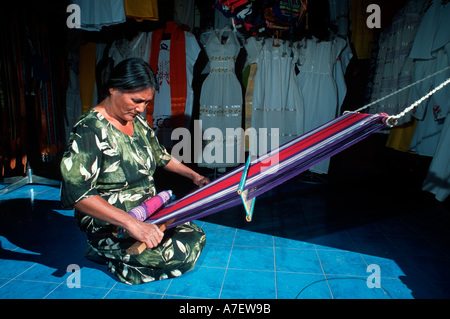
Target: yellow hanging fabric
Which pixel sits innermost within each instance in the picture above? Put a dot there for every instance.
(142, 9)
(87, 75)
(400, 137)
(362, 36)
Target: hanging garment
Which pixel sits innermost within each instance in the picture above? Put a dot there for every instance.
(431, 51)
(362, 36)
(339, 16)
(277, 113)
(394, 67)
(400, 137)
(437, 180)
(318, 86)
(430, 115)
(90, 55)
(87, 75)
(221, 103)
(100, 13)
(141, 9)
(185, 13)
(173, 62)
(123, 49)
(340, 67)
(249, 101)
(394, 70)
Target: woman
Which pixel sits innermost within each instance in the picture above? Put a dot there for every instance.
(108, 170)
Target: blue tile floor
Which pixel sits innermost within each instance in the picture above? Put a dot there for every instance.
(322, 248)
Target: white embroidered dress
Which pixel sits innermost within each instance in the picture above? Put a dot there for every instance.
(221, 104)
(277, 106)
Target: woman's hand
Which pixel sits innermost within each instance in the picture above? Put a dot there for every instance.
(147, 233)
(175, 166)
(201, 181)
(99, 208)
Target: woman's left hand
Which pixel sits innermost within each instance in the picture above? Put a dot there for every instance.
(176, 166)
(201, 181)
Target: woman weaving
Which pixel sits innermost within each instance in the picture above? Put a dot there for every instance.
(108, 170)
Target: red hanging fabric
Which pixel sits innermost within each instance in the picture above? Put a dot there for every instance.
(177, 71)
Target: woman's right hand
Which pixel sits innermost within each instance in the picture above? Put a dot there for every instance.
(147, 233)
(99, 208)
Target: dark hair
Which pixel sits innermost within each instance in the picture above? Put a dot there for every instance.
(131, 75)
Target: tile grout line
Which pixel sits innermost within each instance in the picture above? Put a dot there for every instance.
(228, 263)
(323, 270)
(165, 291)
(12, 279)
(358, 250)
(110, 290)
(171, 280)
(53, 290)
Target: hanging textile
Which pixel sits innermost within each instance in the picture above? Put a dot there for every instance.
(400, 137)
(173, 61)
(32, 82)
(362, 36)
(394, 68)
(277, 101)
(100, 13)
(177, 71)
(339, 16)
(87, 75)
(437, 180)
(185, 13)
(318, 85)
(13, 155)
(431, 53)
(141, 9)
(221, 103)
(123, 49)
(249, 101)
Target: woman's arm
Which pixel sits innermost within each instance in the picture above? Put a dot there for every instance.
(175, 166)
(97, 207)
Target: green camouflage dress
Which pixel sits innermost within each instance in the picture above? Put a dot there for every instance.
(103, 161)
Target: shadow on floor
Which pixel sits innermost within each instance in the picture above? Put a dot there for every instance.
(44, 234)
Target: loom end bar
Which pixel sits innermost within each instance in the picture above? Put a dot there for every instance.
(138, 247)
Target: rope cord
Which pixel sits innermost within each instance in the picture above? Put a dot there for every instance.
(392, 119)
(402, 89)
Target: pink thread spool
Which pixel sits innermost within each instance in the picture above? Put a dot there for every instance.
(147, 208)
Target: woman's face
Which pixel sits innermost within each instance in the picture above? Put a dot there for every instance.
(126, 106)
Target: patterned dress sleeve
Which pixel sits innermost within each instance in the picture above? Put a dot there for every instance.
(80, 166)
